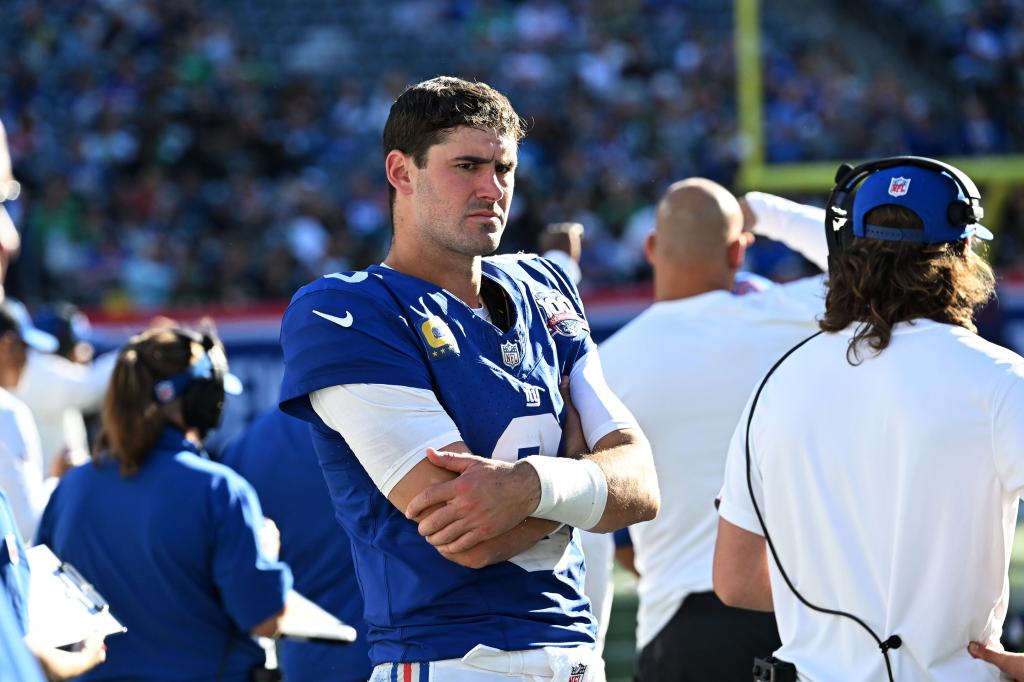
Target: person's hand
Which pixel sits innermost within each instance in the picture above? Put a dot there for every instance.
(488, 498)
(161, 322)
(1011, 664)
(61, 463)
(573, 441)
(749, 217)
(58, 664)
(66, 460)
(567, 237)
(270, 539)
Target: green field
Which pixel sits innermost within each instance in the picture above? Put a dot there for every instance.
(620, 644)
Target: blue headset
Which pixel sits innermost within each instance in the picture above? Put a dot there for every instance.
(202, 386)
(942, 196)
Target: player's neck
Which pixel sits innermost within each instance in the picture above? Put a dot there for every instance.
(459, 276)
(676, 284)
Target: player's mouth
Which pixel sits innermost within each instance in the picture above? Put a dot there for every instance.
(485, 214)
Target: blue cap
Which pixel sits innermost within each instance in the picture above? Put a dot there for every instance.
(927, 193)
(14, 317)
(65, 322)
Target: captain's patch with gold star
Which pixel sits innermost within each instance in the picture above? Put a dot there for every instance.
(440, 340)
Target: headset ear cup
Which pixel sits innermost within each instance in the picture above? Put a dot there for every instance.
(844, 170)
(203, 403)
(961, 213)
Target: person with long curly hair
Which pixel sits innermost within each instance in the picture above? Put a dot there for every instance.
(881, 461)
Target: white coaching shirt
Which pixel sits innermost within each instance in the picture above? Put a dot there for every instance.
(685, 368)
(21, 465)
(890, 490)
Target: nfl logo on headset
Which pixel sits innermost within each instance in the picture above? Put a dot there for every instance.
(510, 354)
(899, 186)
(164, 391)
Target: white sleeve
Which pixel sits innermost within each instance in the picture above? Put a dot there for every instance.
(735, 505)
(55, 383)
(601, 411)
(21, 469)
(366, 415)
(800, 227)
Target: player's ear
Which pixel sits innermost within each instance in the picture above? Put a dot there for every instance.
(649, 247)
(736, 250)
(397, 165)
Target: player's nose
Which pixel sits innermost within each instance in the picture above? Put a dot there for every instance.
(491, 187)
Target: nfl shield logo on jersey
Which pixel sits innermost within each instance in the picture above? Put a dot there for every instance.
(510, 354)
(899, 186)
(577, 673)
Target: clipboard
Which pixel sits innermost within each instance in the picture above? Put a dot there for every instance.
(304, 621)
(63, 607)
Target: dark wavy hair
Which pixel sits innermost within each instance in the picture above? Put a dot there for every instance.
(877, 284)
(428, 112)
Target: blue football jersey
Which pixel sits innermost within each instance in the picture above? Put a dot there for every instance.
(380, 326)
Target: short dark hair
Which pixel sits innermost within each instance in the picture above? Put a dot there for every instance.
(877, 284)
(428, 112)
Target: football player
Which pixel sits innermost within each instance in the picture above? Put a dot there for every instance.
(434, 383)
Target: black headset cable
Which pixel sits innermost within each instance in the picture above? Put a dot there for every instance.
(893, 642)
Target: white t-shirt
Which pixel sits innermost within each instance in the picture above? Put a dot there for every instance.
(21, 465)
(685, 368)
(890, 490)
(57, 391)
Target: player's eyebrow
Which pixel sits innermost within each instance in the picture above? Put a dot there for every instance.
(506, 165)
(473, 159)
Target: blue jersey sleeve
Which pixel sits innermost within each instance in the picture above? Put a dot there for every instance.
(339, 332)
(252, 586)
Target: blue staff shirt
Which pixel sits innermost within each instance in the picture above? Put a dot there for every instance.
(275, 453)
(16, 661)
(174, 550)
(14, 570)
(500, 387)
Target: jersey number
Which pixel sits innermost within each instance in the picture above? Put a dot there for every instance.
(535, 434)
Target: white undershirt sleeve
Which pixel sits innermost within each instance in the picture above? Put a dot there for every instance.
(601, 411)
(389, 428)
(800, 227)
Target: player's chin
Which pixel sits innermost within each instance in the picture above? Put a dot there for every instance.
(486, 237)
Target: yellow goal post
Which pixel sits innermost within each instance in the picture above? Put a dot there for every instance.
(996, 176)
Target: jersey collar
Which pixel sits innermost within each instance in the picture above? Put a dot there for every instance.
(173, 439)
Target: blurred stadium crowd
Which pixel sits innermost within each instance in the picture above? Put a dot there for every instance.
(170, 157)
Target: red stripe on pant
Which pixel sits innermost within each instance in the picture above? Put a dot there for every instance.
(406, 672)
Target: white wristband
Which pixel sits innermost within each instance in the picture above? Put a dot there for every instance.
(572, 491)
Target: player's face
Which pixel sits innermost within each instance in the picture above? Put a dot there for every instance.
(13, 358)
(462, 194)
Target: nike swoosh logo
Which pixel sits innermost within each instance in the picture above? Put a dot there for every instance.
(354, 278)
(340, 321)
